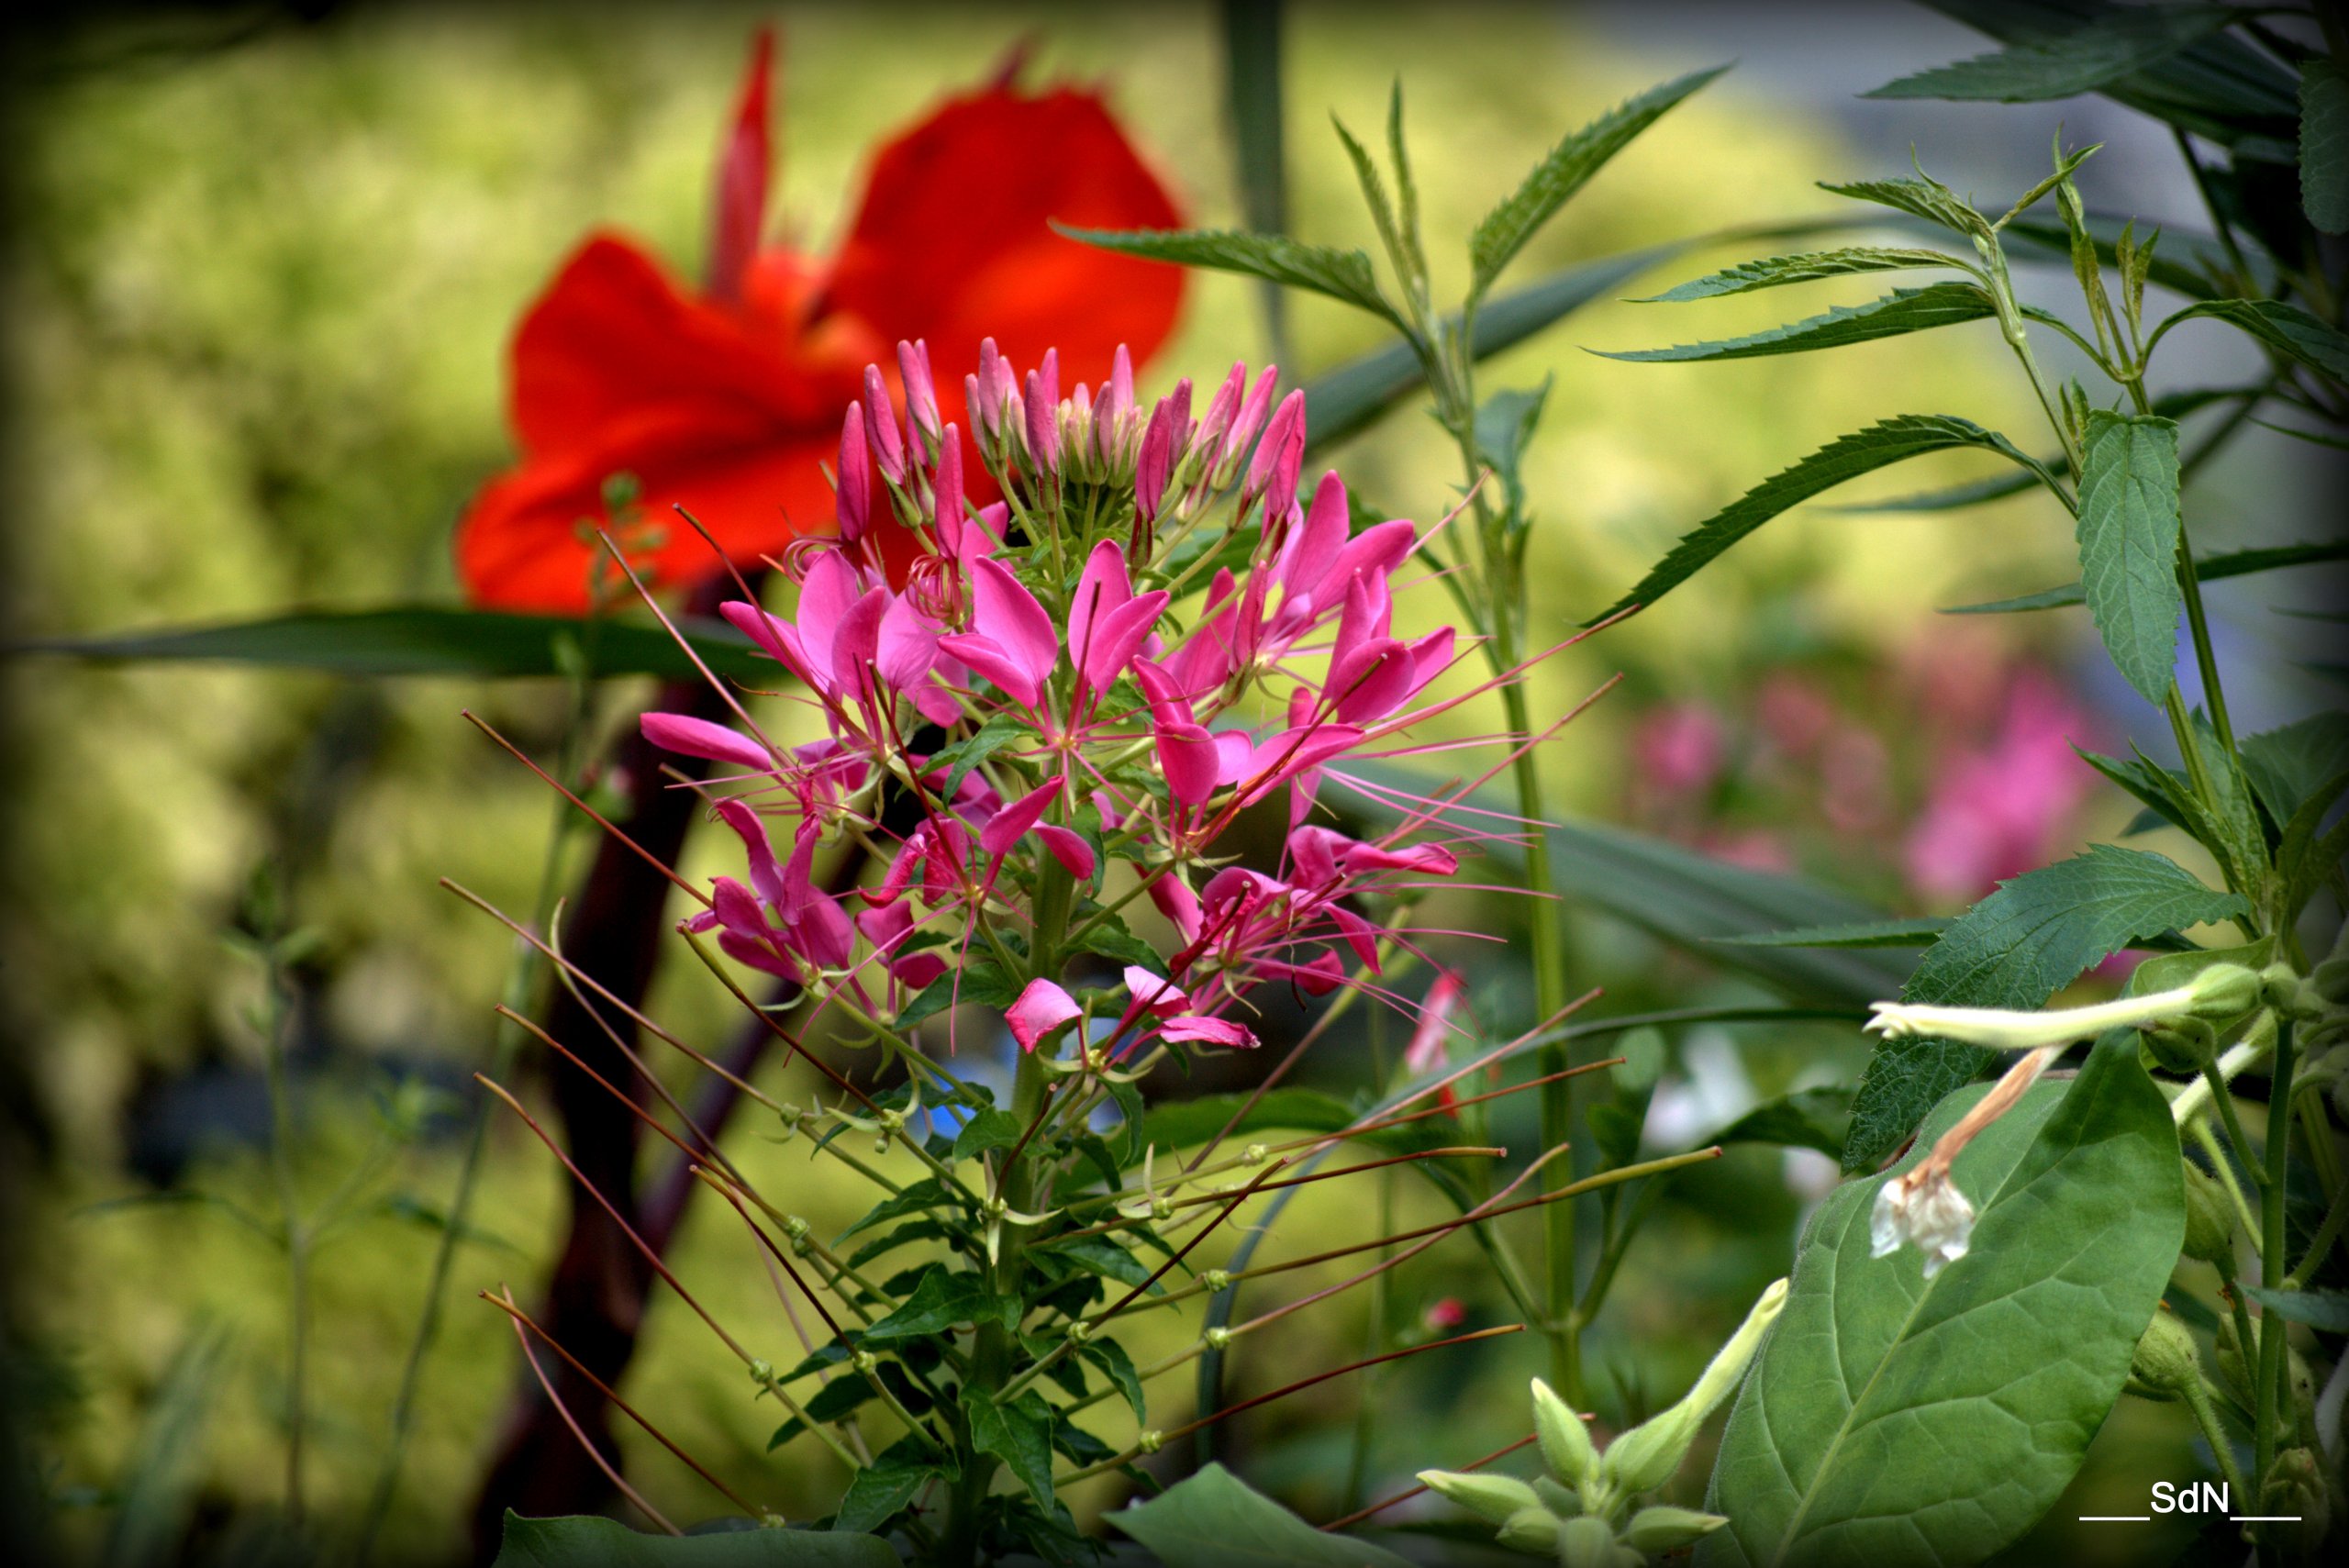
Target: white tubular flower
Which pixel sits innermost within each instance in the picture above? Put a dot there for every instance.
(2000, 1029)
(1923, 1206)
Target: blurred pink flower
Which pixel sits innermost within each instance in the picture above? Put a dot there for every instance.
(1993, 812)
(1794, 712)
(1755, 848)
(1444, 1315)
(1857, 773)
(1680, 747)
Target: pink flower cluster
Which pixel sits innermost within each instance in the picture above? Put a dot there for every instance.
(1100, 668)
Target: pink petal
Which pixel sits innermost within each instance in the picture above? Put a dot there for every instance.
(1174, 899)
(1011, 824)
(916, 971)
(907, 647)
(857, 644)
(1187, 754)
(760, 627)
(1104, 588)
(691, 737)
(824, 934)
(1004, 610)
(826, 594)
(1118, 637)
(1209, 1032)
(1041, 1009)
(1070, 849)
(1154, 993)
(988, 658)
(766, 875)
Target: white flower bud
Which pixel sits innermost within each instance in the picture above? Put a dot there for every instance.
(1659, 1530)
(1495, 1496)
(1535, 1530)
(1565, 1442)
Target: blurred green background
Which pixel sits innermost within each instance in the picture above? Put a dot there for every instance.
(259, 290)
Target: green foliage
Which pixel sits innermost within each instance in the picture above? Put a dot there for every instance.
(1018, 1432)
(2129, 527)
(2016, 949)
(424, 640)
(1807, 1118)
(2324, 146)
(1897, 314)
(1776, 272)
(2285, 328)
(2116, 45)
(881, 1490)
(2208, 568)
(1341, 274)
(589, 1542)
(1569, 166)
(1922, 197)
(1212, 1519)
(1865, 934)
(2325, 1309)
(1888, 1410)
(1882, 444)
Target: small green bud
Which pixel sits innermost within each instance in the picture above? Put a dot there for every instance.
(865, 1362)
(1587, 1543)
(2331, 979)
(761, 1371)
(1151, 1440)
(1254, 1154)
(1216, 1339)
(2185, 1047)
(1495, 1497)
(2283, 989)
(1645, 1456)
(1659, 1530)
(2296, 1487)
(1536, 1530)
(772, 1520)
(1079, 1330)
(2209, 1216)
(1563, 1501)
(2166, 1364)
(796, 1227)
(1565, 1442)
(1216, 1280)
(2225, 991)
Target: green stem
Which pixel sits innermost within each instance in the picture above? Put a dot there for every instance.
(2198, 1400)
(2271, 1390)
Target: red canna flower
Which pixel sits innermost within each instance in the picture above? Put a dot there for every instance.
(726, 401)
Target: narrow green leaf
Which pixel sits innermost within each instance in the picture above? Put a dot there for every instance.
(2128, 531)
(1776, 272)
(881, 1489)
(1212, 1519)
(1020, 1434)
(1915, 933)
(422, 639)
(2324, 145)
(1373, 195)
(1880, 445)
(1001, 730)
(2286, 328)
(1897, 314)
(2118, 43)
(589, 1541)
(1888, 1410)
(1567, 167)
(1955, 497)
(1806, 1119)
(1186, 1124)
(1252, 100)
(1504, 425)
(989, 1128)
(2310, 853)
(979, 983)
(1341, 274)
(1098, 1255)
(944, 1298)
(1922, 197)
(2208, 569)
(2016, 949)
(1119, 1367)
(2325, 1309)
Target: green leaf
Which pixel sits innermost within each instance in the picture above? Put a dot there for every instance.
(1119, 1367)
(1955, 498)
(422, 639)
(1213, 1520)
(1001, 730)
(1901, 312)
(1776, 272)
(587, 1541)
(989, 1128)
(2289, 765)
(1020, 1434)
(2325, 1309)
(2286, 328)
(2308, 854)
(1880, 445)
(1567, 167)
(1504, 425)
(2129, 526)
(2324, 146)
(922, 1195)
(894, 1478)
(944, 1298)
(1110, 938)
(1251, 85)
(1806, 1119)
(2208, 568)
(2118, 44)
(2017, 948)
(1921, 198)
(1099, 1255)
(978, 983)
(1915, 933)
(1341, 274)
(1887, 1411)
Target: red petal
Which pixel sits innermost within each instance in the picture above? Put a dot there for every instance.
(755, 484)
(952, 243)
(739, 205)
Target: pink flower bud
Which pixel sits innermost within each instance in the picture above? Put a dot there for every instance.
(1156, 461)
(1280, 459)
(852, 494)
(1043, 411)
(881, 427)
(1250, 420)
(946, 485)
(1118, 396)
(921, 392)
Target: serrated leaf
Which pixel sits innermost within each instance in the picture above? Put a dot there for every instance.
(989, 1128)
(1119, 1367)
(1341, 274)
(1213, 1520)
(1000, 731)
(2324, 146)
(2118, 44)
(2308, 853)
(1776, 272)
(894, 1479)
(2208, 568)
(1915, 933)
(983, 983)
(425, 640)
(1564, 170)
(1806, 1119)
(1897, 314)
(2129, 527)
(2016, 949)
(1020, 1434)
(1880, 445)
(589, 1541)
(1111, 939)
(2289, 765)
(1888, 1409)
(944, 1298)
(2324, 1309)
(1099, 1255)
(1921, 198)
(2286, 328)
(922, 1195)
(1504, 425)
